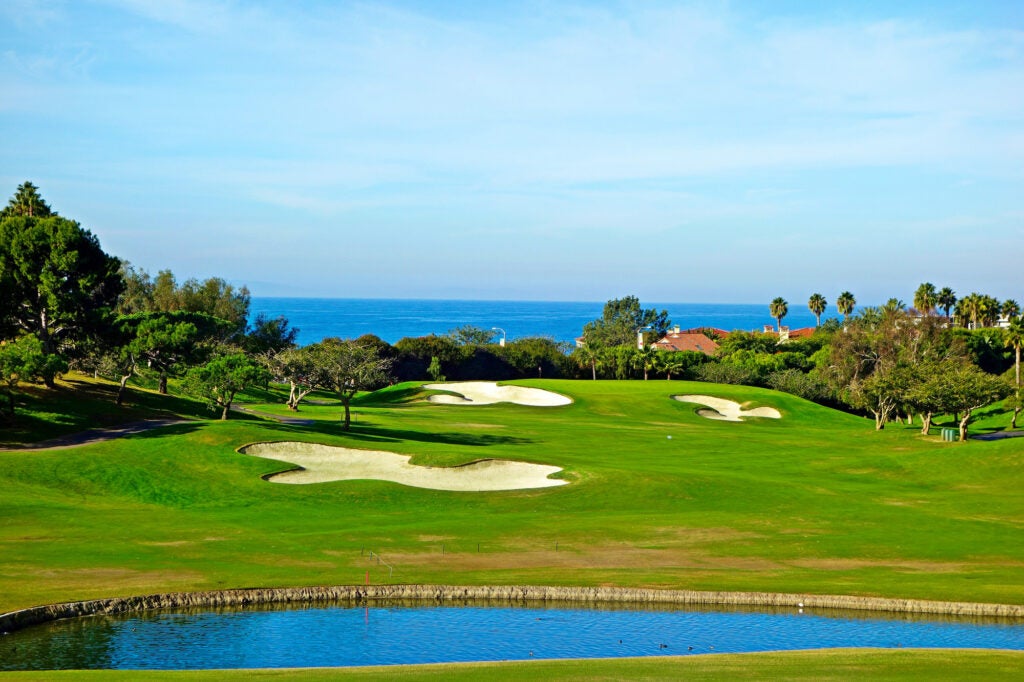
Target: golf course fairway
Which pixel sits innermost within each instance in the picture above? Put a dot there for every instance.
(657, 496)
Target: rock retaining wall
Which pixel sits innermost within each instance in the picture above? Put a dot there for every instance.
(440, 594)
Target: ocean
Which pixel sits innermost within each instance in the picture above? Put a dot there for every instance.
(394, 319)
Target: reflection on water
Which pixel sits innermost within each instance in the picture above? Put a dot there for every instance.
(396, 633)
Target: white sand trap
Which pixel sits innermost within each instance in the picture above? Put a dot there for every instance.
(727, 410)
(323, 463)
(489, 393)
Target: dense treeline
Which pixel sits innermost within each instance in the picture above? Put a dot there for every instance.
(891, 362)
(68, 304)
(65, 303)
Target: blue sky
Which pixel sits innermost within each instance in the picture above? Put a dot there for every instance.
(705, 151)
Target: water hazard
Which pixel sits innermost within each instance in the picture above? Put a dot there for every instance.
(346, 635)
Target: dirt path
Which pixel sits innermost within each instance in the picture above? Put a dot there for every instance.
(998, 435)
(294, 421)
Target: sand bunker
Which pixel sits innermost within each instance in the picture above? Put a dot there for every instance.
(727, 410)
(489, 393)
(323, 463)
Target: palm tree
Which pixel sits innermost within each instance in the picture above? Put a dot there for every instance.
(817, 304)
(989, 311)
(588, 356)
(926, 298)
(970, 310)
(845, 304)
(27, 202)
(870, 317)
(894, 305)
(1015, 339)
(645, 358)
(778, 308)
(1010, 308)
(946, 299)
(670, 364)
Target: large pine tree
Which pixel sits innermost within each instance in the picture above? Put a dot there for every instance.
(55, 280)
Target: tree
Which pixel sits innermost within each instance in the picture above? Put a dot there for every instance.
(989, 308)
(415, 352)
(217, 298)
(1010, 308)
(1015, 339)
(1014, 336)
(670, 363)
(893, 305)
(268, 336)
(645, 358)
(165, 292)
(434, 370)
(929, 395)
(27, 202)
(926, 298)
(978, 310)
(778, 308)
(470, 335)
(845, 304)
(1016, 403)
(536, 353)
(137, 296)
(213, 297)
(620, 322)
(881, 393)
(62, 285)
(23, 360)
(295, 366)
(588, 356)
(168, 341)
(946, 299)
(347, 367)
(219, 380)
(966, 311)
(968, 388)
(871, 366)
(817, 304)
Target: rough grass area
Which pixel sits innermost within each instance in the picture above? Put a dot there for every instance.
(837, 664)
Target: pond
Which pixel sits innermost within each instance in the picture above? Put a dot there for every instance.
(385, 633)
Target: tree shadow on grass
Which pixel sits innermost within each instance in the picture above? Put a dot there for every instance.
(379, 434)
(150, 428)
(182, 429)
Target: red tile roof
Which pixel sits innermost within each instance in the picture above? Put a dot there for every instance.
(686, 341)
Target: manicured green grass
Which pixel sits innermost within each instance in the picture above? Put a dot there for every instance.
(838, 664)
(817, 502)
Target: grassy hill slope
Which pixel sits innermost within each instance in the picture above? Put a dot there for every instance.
(814, 502)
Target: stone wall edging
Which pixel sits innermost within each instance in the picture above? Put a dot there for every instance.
(16, 620)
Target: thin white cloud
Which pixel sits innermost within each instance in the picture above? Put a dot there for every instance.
(600, 119)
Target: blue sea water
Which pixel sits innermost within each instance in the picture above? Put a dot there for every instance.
(394, 319)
